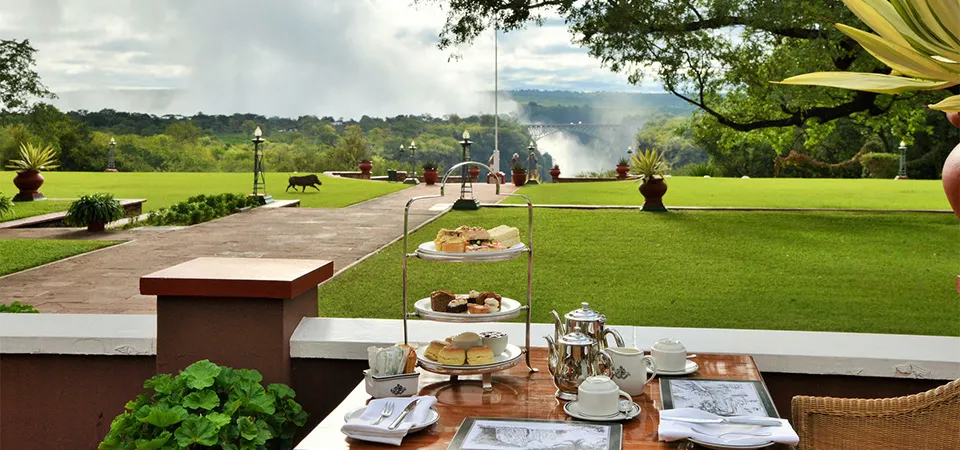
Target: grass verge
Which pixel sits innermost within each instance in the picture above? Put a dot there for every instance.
(29, 209)
(753, 192)
(20, 254)
(163, 189)
(850, 272)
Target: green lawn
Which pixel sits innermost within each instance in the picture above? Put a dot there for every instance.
(163, 188)
(756, 192)
(30, 209)
(852, 272)
(19, 254)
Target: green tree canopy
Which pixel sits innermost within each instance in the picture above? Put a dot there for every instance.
(19, 83)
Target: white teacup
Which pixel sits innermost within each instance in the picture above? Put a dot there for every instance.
(670, 355)
(600, 396)
(629, 368)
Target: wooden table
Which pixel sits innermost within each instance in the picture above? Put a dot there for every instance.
(517, 394)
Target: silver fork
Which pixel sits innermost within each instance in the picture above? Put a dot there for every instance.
(756, 433)
(386, 412)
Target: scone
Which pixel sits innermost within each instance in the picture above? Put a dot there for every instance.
(479, 355)
(439, 300)
(452, 355)
(433, 349)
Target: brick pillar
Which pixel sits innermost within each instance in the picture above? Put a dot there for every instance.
(236, 312)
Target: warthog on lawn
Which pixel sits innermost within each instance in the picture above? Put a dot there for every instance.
(304, 181)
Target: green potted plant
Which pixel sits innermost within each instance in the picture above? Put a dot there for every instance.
(555, 173)
(5, 204)
(32, 160)
(623, 168)
(430, 173)
(519, 173)
(919, 41)
(651, 165)
(208, 406)
(94, 212)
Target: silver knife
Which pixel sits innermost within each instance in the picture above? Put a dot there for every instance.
(403, 414)
(728, 420)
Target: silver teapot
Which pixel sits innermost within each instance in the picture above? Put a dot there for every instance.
(574, 357)
(591, 323)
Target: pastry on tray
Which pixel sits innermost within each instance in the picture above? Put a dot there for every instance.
(492, 304)
(479, 355)
(440, 299)
(477, 309)
(457, 305)
(434, 349)
(476, 239)
(452, 355)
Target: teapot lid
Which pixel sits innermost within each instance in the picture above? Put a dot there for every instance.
(585, 314)
(577, 338)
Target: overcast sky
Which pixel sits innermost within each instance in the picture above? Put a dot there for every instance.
(285, 57)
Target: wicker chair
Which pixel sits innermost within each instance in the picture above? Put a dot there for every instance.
(928, 420)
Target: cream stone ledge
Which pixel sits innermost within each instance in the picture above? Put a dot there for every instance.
(818, 353)
(78, 334)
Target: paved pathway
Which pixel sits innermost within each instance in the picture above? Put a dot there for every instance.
(107, 281)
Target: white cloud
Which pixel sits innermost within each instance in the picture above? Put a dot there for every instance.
(286, 57)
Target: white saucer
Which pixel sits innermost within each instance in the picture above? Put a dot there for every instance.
(573, 410)
(432, 417)
(691, 367)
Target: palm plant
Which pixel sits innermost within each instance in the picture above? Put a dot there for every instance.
(623, 161)
(5, 205)
(94, 211)
(34, 158)
(918, 39)
(649, 163)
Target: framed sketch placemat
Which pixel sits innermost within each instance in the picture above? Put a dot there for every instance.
(478, 433)
(721, 397)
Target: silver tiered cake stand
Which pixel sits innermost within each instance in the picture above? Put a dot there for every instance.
(513, 354)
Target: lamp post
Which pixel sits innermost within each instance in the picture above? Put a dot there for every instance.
(466, 202)
(111, 163)
(629, 152)
(533, 171)
(259, 183)
(413, 163)
(902, 175)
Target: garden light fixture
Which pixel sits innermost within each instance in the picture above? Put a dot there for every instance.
(466, 202)
(259, 183)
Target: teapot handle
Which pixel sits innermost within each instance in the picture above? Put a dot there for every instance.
(616, 337)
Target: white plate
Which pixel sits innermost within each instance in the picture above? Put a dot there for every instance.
(746, 443)
(509, 308)
(691, 367)
(573, 410)
(428, 251)
(509, 356)
(432, 417)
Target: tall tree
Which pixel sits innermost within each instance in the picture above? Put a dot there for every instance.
(719, 55)
(19, 82)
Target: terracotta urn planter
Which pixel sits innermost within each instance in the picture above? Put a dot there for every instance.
(951, 173)
(430, 176)
(474, 173)
(96, 226)
(555, 174)
(519, 178)
(653, 191)
(365, 167)
(29, 182)
(622, 171)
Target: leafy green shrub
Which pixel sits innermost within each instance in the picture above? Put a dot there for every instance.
(201, 208)
(92, 209)
(699, 170)
(881, 165)
(430, 165)
(17, 307)
(207, 405)
(5, 205)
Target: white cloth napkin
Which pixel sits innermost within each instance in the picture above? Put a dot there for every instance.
(361, 428)
(670, 430)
